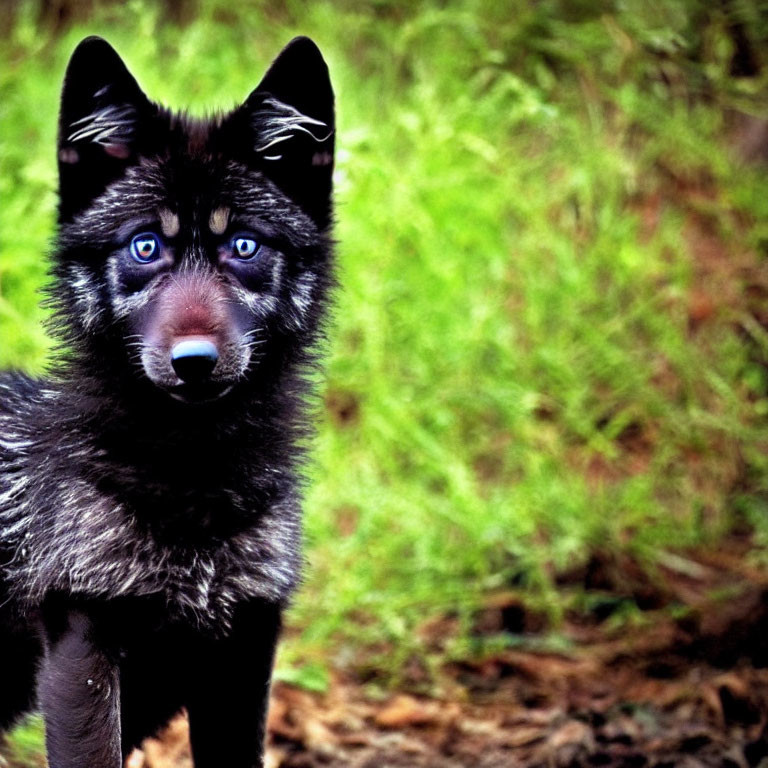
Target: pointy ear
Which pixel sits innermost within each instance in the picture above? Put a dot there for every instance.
(102, 112)
(289, 127)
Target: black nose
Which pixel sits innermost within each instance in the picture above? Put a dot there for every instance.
(194, 359)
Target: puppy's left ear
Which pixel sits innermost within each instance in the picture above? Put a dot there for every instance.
(286, 127)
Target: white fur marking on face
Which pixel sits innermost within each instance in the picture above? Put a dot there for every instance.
(123, 304)
(219, 220)
(302, 294)
(277, 272)
(251, 300)
(169, 222)
(86, 295)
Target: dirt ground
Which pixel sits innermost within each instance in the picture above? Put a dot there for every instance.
(683, 685)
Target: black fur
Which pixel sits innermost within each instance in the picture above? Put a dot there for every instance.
(150, 525)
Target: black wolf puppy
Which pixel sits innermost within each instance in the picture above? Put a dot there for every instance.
(149, 514)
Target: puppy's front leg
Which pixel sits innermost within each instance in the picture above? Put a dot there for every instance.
(230, 692)
(79, 692)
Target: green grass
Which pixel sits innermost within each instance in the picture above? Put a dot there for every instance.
(24, 748)
(530, 198)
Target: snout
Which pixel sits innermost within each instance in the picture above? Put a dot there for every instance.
(193, 360)
(195, 345)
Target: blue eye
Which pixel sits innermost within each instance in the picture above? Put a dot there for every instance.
(145, 248)
(245, 248)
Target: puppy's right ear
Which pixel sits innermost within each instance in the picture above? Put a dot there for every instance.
(101, 124)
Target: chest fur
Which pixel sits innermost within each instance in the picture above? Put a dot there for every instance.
(86, 545)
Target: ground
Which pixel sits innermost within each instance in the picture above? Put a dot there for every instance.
(681, 684)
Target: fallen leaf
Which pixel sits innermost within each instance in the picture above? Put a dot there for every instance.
(403, 711)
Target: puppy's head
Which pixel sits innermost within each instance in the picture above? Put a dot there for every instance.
(192, 250)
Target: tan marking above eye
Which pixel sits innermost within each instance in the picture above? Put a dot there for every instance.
(169, 222)
(219, 220)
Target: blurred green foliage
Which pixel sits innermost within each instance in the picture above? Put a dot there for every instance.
(544, 344)
(24, 749)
